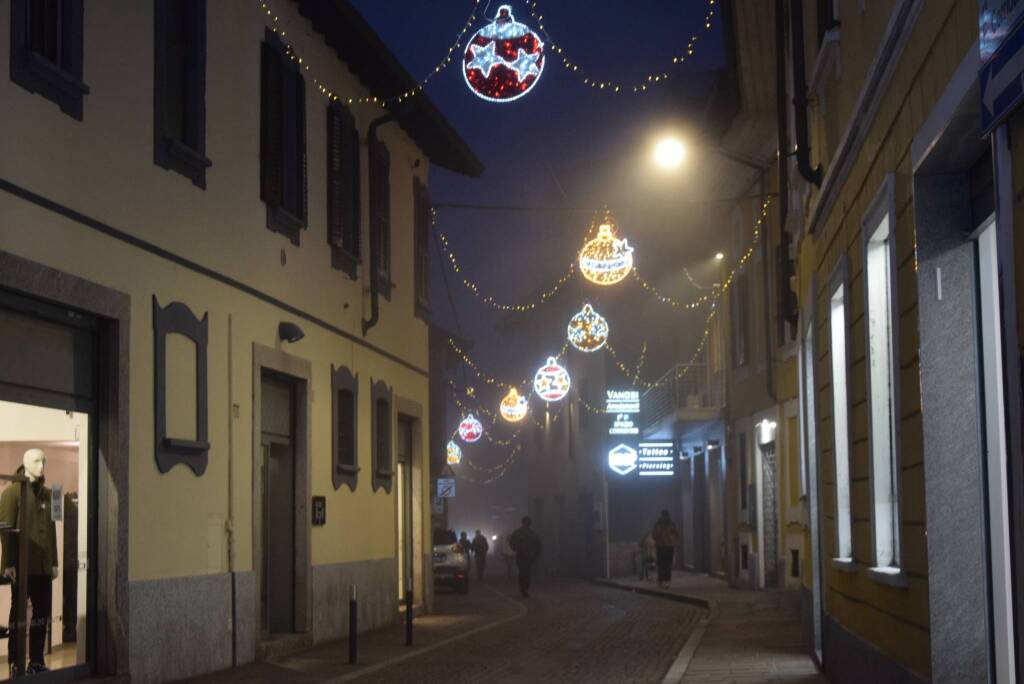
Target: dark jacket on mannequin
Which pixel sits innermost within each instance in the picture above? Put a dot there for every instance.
(42, 533)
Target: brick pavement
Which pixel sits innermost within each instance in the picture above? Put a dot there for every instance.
(568, 631)
(751, 636)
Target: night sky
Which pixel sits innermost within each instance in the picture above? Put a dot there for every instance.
(569, 147)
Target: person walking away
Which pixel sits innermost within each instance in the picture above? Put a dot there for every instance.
(480, 549)
(527, 546)
(467, 548)
(648, 554)
(508, 554)
(666, 536)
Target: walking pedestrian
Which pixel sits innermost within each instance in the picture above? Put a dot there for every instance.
(467, 548)
(666, 536)
(527, 546)
(507, 554)
(648, 554)
(480, 549)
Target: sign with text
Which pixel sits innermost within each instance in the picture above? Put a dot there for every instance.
(624, 406)
(319, 510)
(1001, 79)
(995, 19)
(446, 488)
(646, 459)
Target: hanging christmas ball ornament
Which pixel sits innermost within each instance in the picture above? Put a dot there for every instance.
(454, 453)
(470, 429)
(606, 259)
(551, 383)
(514, 406)
(588, 330)
(504, 59)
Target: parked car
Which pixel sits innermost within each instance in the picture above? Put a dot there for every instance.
(450, 562)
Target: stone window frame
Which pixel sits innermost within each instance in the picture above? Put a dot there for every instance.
(344, 471)
(382, 445)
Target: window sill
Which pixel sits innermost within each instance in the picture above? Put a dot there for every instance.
(174, 155)
(847, 565)
(282, 221)
(385, 474)
(345, 261)
(39, 75)
(894, 577)
(347, 468)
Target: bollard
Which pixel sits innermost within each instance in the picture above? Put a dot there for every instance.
(353, 628)
(408, 612)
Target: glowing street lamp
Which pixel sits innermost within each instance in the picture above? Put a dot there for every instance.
(669, 153)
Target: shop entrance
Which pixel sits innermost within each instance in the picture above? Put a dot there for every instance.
(49, 391)
(277, 590)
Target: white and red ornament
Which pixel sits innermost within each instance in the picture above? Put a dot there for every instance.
(503, 60)
(514, 406)
(588, 330)
(454, 453)
(470, 429)
(551, 383)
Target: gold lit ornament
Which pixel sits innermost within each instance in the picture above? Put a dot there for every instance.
(606, 260)
(551, 383)
(514, 406)
(588, 330)
(454, 453)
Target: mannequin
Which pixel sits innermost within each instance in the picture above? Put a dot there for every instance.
(42, 555)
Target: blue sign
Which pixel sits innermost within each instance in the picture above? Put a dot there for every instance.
(1000, 79)
(445, 488)
(995, 19)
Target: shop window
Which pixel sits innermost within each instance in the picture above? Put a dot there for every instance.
(421, 246)
(345, 460)
(380, 215)
(880, 296)
(282, 140)
(179, 84)
(46, 51)
(840, 421)
(344, 231)
(383, 469)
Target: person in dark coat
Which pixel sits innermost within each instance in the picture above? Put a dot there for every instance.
(527, 546)
(42, 556)
(467, 548)
(480, 549)
(666, 537)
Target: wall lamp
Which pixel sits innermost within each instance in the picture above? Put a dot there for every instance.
(289, 332)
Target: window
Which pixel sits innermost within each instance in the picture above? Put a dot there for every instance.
(879, 295)
(345, 459)
(46, 51)
(383, 472)
(744, 475)
(421, 246)
(282, 140)
(380, 215)
(841, 443)
(344, 232)
(179, 85)
(740, 321)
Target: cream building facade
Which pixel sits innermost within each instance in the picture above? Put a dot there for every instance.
(232, 304)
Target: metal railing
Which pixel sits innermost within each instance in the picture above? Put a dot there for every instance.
(684, 386)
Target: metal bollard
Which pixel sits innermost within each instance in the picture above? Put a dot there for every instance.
(408, 612)
(353, 628)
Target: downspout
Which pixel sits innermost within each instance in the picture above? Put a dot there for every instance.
(803, 143)
(371, 140)
(230, 524)
(784, 265)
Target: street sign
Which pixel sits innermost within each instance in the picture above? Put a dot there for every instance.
(1001, 79)
(624, 405)
(445, 488)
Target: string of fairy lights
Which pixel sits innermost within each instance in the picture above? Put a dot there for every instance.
(521, 76)
(608, 84)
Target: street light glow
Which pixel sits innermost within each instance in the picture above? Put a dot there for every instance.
(669, 153)
(719, 256)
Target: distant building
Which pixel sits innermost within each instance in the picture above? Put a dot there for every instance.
(220, 272)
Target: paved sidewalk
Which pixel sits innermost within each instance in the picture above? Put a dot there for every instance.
(456, 617)
(750, 636)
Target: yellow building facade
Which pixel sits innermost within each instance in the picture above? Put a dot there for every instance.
(249, 424)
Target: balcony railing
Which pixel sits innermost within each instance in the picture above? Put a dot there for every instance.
(685, 386)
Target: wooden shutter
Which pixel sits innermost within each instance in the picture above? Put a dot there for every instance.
(380, 207)
(302, 205)
(350, 181)
(271, 126)
(343, 181)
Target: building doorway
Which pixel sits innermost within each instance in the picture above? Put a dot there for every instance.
(277, 589)
(408, 510)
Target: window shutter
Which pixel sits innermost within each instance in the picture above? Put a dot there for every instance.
(271, 126)
(385, 211)
(350, 185)
(335, 222)
(302, 205)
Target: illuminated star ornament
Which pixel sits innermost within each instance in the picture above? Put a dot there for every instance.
(588, 330)
(551, 383)
(514, 406)
(470, 429)
(606, 259)
(454, 453)
(503, 60)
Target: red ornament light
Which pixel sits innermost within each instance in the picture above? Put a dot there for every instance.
(470, 429)
(504, 59)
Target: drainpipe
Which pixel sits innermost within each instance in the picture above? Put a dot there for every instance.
(230, 523)
(803, 144)
(787, 307)
(371, 139)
